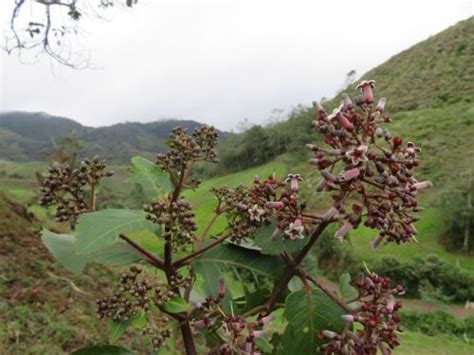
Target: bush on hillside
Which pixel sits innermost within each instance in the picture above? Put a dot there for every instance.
(414, 276)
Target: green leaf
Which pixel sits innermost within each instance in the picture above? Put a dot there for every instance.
(140, 320)
(154, 182)
(309, 312)
(210, 274)
(229, 255)
(100, 230)
(103, 350)
(347, 291)
(62, 246)
(176, 305)
(117, 329)
(264, 345)
(276, 246)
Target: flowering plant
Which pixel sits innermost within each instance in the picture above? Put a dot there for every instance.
(268, 233)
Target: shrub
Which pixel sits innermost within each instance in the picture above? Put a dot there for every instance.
(413, 275)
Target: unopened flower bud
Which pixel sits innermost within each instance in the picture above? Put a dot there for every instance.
(342, 232)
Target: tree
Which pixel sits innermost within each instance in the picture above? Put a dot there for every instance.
(51, 27)
(258, 235)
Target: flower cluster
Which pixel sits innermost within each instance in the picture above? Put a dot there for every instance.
(129, 300)
(237, 334)
(366, 164)
(64, 187)
(265, 201)
(166, 292)
(179, 215)
(186, 148)
(377, 316)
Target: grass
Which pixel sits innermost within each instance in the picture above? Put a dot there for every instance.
(413, 343)
(437, 72)
(429, 228)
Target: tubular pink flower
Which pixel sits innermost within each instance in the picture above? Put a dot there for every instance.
(258, 333)
(267, 319)
(348, 318)
(344, 121)
(347, 102)
(390, 302)
(342, 232)
(376, 242)
(200, 324)
(328, 176)
(330, 214)
(351, 174)
(294, 180)
(366, 87)
(221, 288)
(328, 334)
(275, 204)
(318, 107)
(420, 186)
(381, 105)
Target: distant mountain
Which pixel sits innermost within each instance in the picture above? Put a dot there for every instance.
(27, 136)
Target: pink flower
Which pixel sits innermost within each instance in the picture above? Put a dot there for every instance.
(376, 242)
(294, 180)
(344, 121)
(318, 107)
(328, 176)
(267, 319)
(342, 232)
(347, 102)
(328, 334)
(295, 230)
(275, 204)
(256, 213)
(351, 174)
(420, 186)
(357, 155)
(381, 105)
(330, 214)
(366, 87)
(221, 288)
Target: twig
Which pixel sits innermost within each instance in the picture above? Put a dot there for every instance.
(185, 260)
(146, 255)
(323, 288)
(73, 285)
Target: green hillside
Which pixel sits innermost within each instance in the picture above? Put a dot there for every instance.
(437, 72)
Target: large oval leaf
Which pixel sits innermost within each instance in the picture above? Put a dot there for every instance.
(63, 248)
(309, 312)
(155, 183)
(228, 255)
(99, 230)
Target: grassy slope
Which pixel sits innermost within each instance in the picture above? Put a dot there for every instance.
(437, 72)
(413, 343)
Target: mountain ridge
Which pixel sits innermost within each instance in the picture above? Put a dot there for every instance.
(28, 136)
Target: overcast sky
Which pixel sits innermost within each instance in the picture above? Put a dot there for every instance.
(220, 61)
